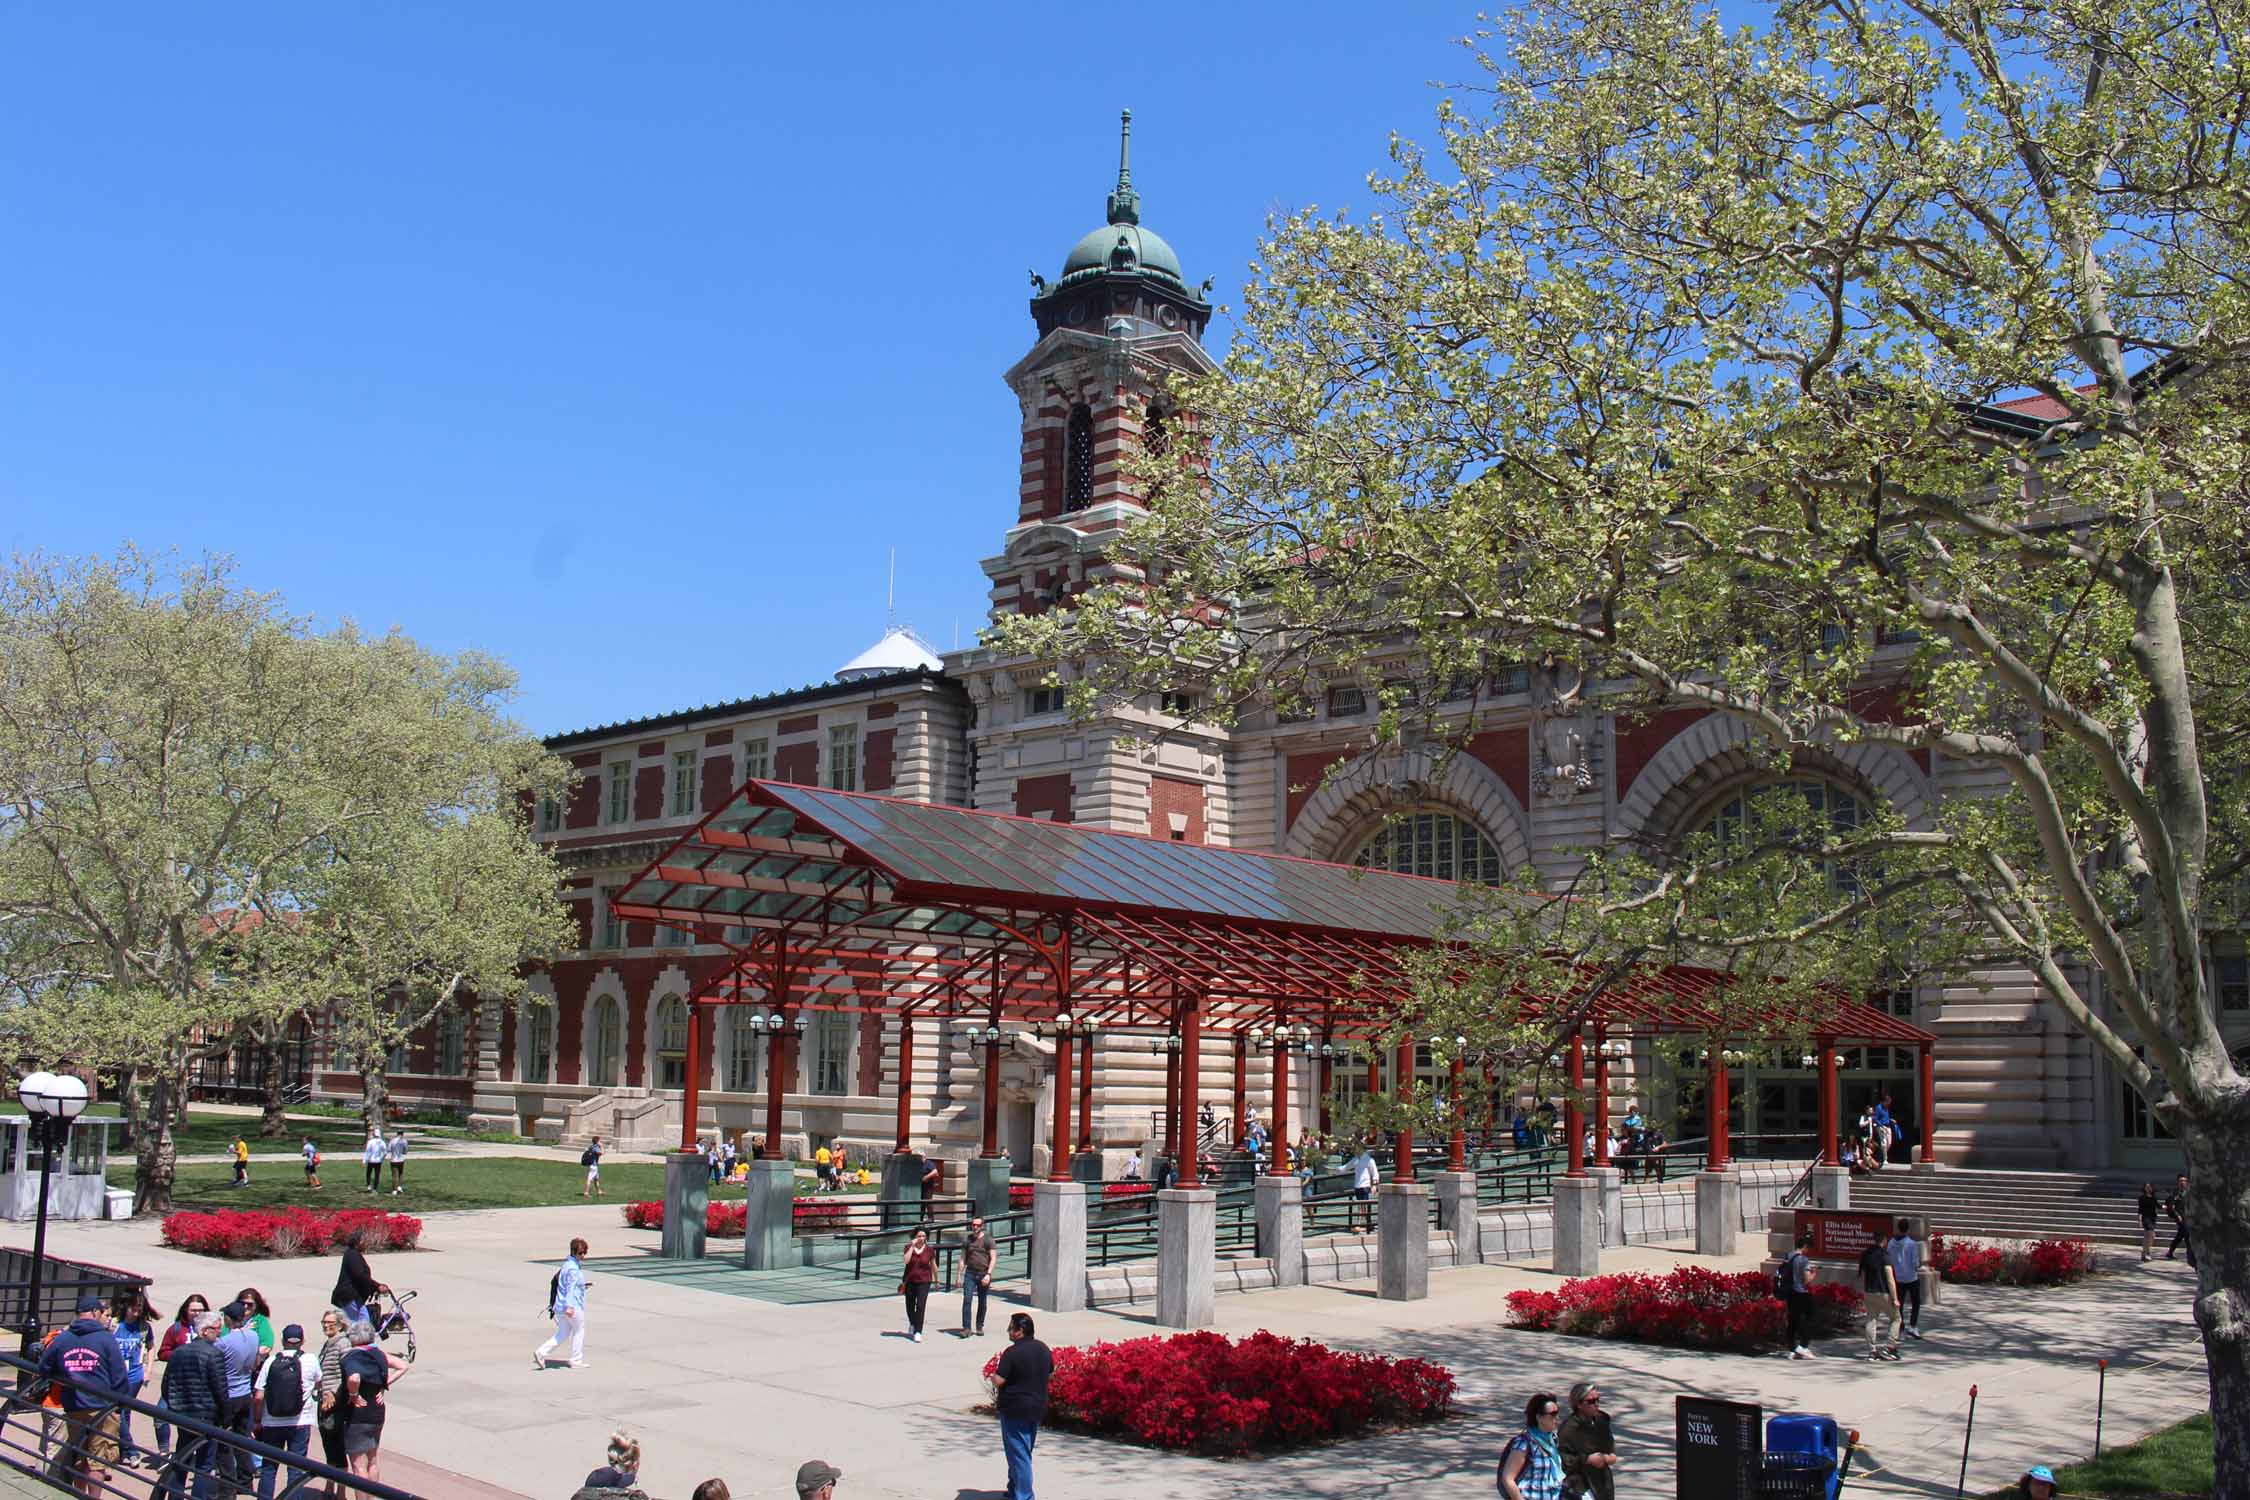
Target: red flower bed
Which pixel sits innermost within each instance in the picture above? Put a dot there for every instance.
(2040, 1263)
(1019, 1193)
(1691, 1307)
(731, 1221)
(1210, 1394)
(265, 1234)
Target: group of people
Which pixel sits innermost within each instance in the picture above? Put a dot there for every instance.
(1890, 1285)
(833, 1170)
(379, 1152)
(227, 1370)
(1873, 1135)
(2174, 1204)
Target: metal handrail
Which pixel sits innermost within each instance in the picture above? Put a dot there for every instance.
(20, 1412)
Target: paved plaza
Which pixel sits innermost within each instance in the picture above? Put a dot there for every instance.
(719, 1374)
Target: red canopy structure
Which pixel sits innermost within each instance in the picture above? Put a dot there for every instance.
(838, 901)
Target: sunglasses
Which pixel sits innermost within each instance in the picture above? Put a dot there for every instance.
(1550, 1411)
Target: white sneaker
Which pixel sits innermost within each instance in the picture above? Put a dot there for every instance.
(914, 1338)
(538, 1361)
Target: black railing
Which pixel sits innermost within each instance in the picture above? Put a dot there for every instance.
(61, 1283)
(69, 1451)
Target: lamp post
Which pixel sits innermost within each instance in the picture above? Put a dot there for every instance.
(52, 1100)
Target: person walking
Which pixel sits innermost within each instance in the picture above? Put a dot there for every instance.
(1133, 1165)
(1531, 1464)
(816, 1479)
(286, 1404)
(566, 1304)
(2177, 1207)
(1588, 1447)
(976, 1276)
(134, 1328)
(238, 1346)
(372, 1155)
(1906, 1268)
(369, 1373)
(356, 1285)
(396, 1152)
(591, 1160)
(2150, 1206)
(1019, 1382)
(915, 1280)
(1796, 1293)
(86, 1354)
(328, 1393)
(195, 1385)
(1365, 1175)
(1878, 1284)
(310, 1151)
(821, 1179)
(181, 1331)
(241, 1154)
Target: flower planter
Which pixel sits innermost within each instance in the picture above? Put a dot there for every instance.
(273, 1234)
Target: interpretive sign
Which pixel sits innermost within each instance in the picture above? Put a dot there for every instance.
(1839, 1234)
(1720, 1444)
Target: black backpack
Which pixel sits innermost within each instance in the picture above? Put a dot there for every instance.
(589, 1158)
(285, 1386)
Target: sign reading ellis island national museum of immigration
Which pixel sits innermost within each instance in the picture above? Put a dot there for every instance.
(1839, 1234)
(1720, 1443)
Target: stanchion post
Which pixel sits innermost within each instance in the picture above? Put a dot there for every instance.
(2101, 1392)
(1961, 1485)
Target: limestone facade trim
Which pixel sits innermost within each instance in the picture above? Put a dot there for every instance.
(1716, 750)
(1338, 817)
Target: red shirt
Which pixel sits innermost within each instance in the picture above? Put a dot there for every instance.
(921, 1265)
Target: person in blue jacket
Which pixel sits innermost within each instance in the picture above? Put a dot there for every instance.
(87, 1356)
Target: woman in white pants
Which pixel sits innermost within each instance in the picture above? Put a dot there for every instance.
(566, 1303)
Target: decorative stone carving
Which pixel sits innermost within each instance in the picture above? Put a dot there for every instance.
(1563, 735)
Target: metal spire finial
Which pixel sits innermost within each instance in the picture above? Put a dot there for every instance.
(1124, 203)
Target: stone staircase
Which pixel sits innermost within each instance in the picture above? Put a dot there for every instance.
(626, 1119)
(2008, 1205)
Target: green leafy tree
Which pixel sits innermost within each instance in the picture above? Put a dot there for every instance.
(1680, 365)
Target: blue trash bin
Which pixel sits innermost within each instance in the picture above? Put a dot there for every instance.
(1812, 1437)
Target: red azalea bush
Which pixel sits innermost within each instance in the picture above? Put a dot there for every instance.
(1691, 1307)
(2040, 1263)
(731, 1221)
(1210, 1394)
(267, 1234)
(1019, 1193)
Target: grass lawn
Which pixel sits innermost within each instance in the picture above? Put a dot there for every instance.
(431, 1186)
(2176, 1461)
(209, 1133)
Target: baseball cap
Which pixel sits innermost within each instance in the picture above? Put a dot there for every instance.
(293, 1334)
(91, 1302)
(814, 1472)
(2040, 1471)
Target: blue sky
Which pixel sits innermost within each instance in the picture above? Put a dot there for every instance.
(620, 342)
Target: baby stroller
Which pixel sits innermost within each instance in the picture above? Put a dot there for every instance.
(393, 1321)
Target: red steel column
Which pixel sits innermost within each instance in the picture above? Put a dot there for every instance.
(1457, 1159)
(1403, 1169)
(780, 1055)
(991, 1100)
(1491, 1107)
(1601, 1096)
(1058, 1169)
(1574, 1107)
(1828, 1153)
(1929, 1103)
(1277, 1150)
(1242, 1043)
(1086, 1092)
(698, 1017)
(1191, 1076)
(1327, 1085)
(1717, 1101)
(905, 1081)
(1171, 1102)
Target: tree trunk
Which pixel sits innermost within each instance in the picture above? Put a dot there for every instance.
(2218, 1158)
(270, 1054)
(179, 1103)
(375, 1091)
(155, 1155)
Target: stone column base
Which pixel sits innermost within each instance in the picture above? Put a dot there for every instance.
(1058, 1246)
(1612, 1180)
(769, 1239)
(1281, 1228)
(1457, 1214)
(1578, 1227)
(1086, 1166)
(687, 1198)
(988, 1184)
(1187, 1257)
(1402, 1242)
(1718, 1212)
(1831, 1187)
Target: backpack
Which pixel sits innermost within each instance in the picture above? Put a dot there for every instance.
(1781, 1277)
(285, 1388)
(554, 1290)
(588, 1159)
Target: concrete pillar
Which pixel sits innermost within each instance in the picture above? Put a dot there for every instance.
(1058, 1246)
(769, 1236)
(1402, 1242)
(988, 1184)
(687, 1198)
(1187, 1256)
(1086, 1166)
(1281, 1228)
(1831, 1187)
(1578, 1229)
(900, 1190)
(1718, 1212)
(1612, 1182)
(1457, 1214)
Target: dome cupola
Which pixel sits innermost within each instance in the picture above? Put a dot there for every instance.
(1123, 269)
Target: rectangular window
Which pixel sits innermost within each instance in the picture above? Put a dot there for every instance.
(453, 1036)
(539, 1042)
(831, 1053)
(683, 783)
(2230, 976)
(1181, 705)
(1344, 702)
(843, 757)
(611, 932)
(677, 937)
(620, 791)
(754, 764)
(744, 1046)
(1510, 677)
(1042, 700)
(550, 815)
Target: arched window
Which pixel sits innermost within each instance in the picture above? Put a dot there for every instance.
(1432, 842)
(1825, 801)
(744, 1048)
(671, 1043)
(1078, 459)
(1156, 432)
(603, 1053)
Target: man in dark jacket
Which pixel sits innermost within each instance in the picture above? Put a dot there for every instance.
(1589, 1451)
(86, 1355)
(195, 1385)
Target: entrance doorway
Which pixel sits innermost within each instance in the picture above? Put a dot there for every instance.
(1017, 1135)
